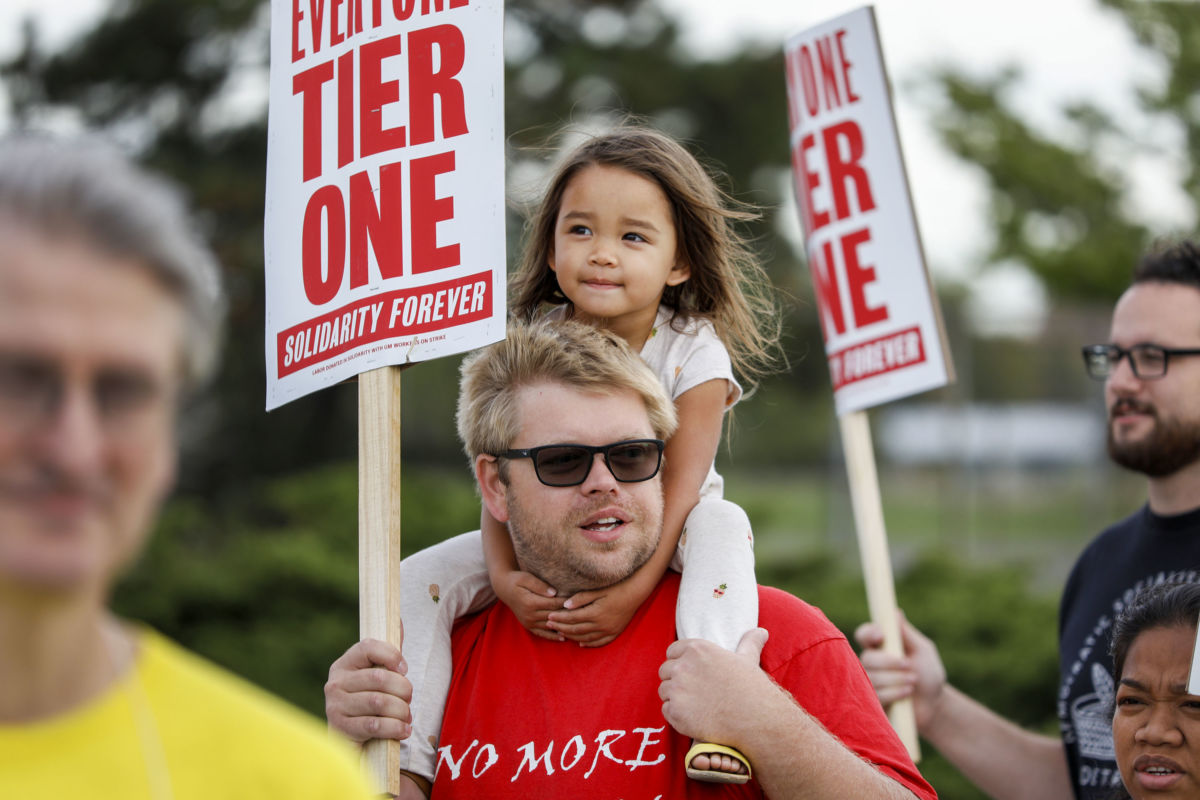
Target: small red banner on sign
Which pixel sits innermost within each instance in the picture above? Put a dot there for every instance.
(385, 316)
(868, 359)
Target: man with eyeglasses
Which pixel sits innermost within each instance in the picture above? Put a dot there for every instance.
(563, 425)
(109, 309)
(1151, 373)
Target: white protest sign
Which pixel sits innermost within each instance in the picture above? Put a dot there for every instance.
(384, 226)
(1193, 683)
(878, 313)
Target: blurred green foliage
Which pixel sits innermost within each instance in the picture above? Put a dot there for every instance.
(1060, 194)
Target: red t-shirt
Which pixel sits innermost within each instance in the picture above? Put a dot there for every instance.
(530, 718)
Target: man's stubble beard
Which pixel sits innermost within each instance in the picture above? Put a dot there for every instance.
(570, 565)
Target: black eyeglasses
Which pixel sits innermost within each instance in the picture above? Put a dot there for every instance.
(630, 461)
(125, 400)
(1148, 361)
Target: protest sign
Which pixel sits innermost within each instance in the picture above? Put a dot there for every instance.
(879, 316)
(1193, 681)
(384, 231)
(384, 226)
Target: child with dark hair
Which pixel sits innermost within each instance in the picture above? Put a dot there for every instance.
(1156, 723)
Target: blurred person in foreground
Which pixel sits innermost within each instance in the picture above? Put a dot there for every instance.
(1156, 722)
(564, 424)
(1151, 372)
(109, 310)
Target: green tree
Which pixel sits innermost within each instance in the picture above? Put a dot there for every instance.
(1170, 30)
(1058, 205)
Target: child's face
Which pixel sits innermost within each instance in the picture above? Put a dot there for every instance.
(615, 249)
(1156, 728)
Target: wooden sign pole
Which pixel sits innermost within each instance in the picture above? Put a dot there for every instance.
(876, 561)
(379, 538)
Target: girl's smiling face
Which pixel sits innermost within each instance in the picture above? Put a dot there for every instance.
(615, 249)
(1156, 727)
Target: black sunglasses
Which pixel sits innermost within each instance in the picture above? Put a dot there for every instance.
(630, 461)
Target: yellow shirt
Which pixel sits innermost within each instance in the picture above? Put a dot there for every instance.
(177, 728)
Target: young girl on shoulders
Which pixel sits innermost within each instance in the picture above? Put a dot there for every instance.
(632, 235)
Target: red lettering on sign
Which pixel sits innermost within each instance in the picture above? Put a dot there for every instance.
(844, 167)
(436, 100)
(318, 16)
(403, 9)
(808, 82)
(336, 36)
(810, 179)
(345, 143)
(822, 83)
(356, 13)
(308, 85)
(879, 356)
(382, 316)
(374, 224)
(427, 211)
(829, 83)
(841, 154)
(375, 93)
(297, 15)
(425, 83)
(841, 255)
(829, 296)
(334, 22)
(378, 223)
(791, 70)
(851, 97)
(322, 267)
(858, 276)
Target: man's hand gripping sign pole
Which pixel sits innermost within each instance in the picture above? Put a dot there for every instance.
(384, 229)
(879, 316)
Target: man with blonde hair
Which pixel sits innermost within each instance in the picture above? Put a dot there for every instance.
(564, 426)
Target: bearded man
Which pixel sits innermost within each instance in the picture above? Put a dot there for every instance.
(1151, 372)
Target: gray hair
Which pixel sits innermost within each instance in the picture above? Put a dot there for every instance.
(87, 189)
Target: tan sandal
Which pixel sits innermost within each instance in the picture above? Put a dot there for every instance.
(714, 775)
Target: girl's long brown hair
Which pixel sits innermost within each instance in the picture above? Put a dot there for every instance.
(727, 285)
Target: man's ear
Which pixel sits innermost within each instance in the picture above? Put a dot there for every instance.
(678, 274)
(491, 488)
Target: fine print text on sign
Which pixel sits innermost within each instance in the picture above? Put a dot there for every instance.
(385, 196)
(879, 317)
